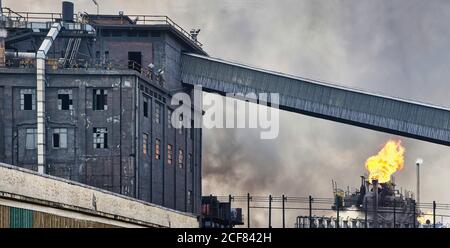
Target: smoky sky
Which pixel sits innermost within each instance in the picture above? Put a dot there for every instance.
(397, 48)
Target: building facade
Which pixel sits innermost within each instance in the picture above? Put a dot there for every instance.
(108, 108)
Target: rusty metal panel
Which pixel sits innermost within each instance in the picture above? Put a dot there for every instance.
(21, 218)
(4, 217)
(327, 101)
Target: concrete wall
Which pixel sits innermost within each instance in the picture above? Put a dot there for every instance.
(57, 193)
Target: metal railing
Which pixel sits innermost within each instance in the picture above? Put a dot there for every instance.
(83, 64)
(84, 18)
(313, 206)
(161, 19)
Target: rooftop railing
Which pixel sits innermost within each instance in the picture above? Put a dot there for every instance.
(84, 18)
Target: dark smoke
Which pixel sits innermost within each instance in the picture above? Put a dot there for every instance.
(398, 48)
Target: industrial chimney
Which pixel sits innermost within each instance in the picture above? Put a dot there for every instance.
(67, 11)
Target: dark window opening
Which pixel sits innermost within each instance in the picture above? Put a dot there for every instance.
(28, 102)
(56, 140)
(135, 60)
(145, 108)
(64, 102)
(100, 99)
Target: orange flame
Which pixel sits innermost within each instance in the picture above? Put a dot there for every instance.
(388, 160)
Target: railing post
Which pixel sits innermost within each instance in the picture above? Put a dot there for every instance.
(434, 214)
(270, 211)
(310, 211)
(284, 216)
(248, 210)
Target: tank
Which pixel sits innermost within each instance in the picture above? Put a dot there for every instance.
(67, 11)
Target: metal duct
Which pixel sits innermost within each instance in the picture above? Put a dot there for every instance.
(40, 93)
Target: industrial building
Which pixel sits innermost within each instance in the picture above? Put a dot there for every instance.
(103, 100)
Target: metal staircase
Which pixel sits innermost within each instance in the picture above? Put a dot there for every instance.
(71, 52)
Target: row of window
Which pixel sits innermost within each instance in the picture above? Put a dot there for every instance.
(65, 99)
(59, 138)
(100, 141)
(169, 152)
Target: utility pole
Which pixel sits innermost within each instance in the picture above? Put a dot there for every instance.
(284, 216)
(419, 162)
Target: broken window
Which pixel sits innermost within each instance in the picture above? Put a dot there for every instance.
(27, 99)
(169, 118)
(30, 139)
(145, 144)
(100, 99)
(145, 108)
(180, 159)
(157, 113)
(169, 154)
(180, 119)
(60, 138)
(100, 135)
(65, 100)
(189, 198)
(157, 149)
(191, 162)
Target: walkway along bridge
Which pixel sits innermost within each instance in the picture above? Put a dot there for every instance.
(387, 114)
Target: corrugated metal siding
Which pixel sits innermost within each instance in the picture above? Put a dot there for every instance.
(421, 121)
(4, 217)
(45, 220)
(21, 218)
(11, 217)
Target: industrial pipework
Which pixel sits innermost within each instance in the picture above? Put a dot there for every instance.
(41, 56)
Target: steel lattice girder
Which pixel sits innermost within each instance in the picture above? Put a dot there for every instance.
(387, 114)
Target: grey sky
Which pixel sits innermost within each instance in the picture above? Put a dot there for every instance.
(398, 48)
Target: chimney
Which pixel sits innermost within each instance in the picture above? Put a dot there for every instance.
(67, 11)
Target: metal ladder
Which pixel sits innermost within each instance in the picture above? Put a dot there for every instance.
(74, 53)
(71, 52)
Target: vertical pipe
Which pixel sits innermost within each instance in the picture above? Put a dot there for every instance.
(270, 211)
(434, 214)
(40, 114)
(41, 56)
(248, 210)
(310, 211)
(414, 214)
(229, 202)
(418, 183)
(284, 216)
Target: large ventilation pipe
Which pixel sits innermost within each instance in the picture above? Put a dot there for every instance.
(41, 56)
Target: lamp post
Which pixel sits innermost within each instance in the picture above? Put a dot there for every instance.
(419, 162)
